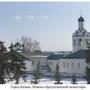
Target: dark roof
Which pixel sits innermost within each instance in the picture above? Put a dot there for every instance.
(81, 19)
(16, 54)
(44, 53)
(55, 56)
(77, 55)
(17, 44)
(81, 54)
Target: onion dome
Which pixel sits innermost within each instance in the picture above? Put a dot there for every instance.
(81, 19)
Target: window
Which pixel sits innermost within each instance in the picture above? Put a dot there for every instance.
(39, 62)
(81, 25)
(74, 42)
(78, 65)
(72, 65)
(80, 42)
(33, 63)
(67, 65)
(64, 65)
(49, 63)
(87, 41)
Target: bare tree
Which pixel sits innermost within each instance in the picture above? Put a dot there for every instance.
(29, 45)
(36, 45)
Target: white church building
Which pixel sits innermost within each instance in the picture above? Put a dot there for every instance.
(69, 62)
(75, 61)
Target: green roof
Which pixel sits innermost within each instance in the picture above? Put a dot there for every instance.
(77, 55)
(16, 54)
(55, 56)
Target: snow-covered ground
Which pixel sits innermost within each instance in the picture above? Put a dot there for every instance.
(47, 80)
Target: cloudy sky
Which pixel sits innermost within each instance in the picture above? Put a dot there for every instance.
(52, 24)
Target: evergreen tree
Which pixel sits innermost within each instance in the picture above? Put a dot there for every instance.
(88, 65)
(17, 66)
(88, 75)
(74, 79)
(35, 77)
(57, 75)
(38, 71)
(37, 74)
(48, 68)
(3, 63)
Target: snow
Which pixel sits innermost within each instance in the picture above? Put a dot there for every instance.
(47, 80)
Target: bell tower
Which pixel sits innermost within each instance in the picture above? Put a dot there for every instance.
(80, 36)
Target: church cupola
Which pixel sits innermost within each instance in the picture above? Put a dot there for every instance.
(81, 19)
(80, 22)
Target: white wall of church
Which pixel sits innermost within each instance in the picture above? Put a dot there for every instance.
(73, 65)
(28, 64)
(68, 65)
(52, 64)
(38, 59)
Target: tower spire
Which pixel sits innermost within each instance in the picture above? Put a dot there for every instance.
(80, 21)
(80, 12)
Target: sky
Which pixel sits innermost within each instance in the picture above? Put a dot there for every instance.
(52, 24)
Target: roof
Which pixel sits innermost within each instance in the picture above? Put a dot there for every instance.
(41, 53)
(81, 19)
(38, 56)
(47, 53)
(76, 55)
(55, 56)
(16, 54)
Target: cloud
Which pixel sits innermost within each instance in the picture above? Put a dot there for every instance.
(26, 17)
(18, 17)
(30, 17)
(43, 17)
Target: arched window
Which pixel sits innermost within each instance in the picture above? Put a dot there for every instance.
(87, 41)
(51, 63)
(80, 42)
(78, 65)
(39, 62)
(67, 65)
(74, 42)
(72, 65)
(64, 64)
(33, 63)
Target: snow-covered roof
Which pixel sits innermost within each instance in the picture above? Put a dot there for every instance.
(38, 56)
